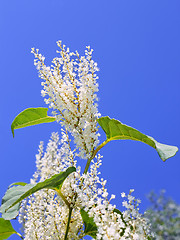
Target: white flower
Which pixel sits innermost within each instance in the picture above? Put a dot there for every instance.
(70, 89)
(44, 215)
(123, 195)
(70, 86)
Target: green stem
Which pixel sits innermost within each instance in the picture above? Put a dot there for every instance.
(85, 171)
(19, 235)
(63, 197)
(94, 154)
(68, 223)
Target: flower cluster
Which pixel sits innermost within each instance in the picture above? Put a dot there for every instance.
(70, 86)
(70, 89)
(139, 226)
(112, 224)
(44, 215)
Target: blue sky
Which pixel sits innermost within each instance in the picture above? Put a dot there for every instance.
(136, 45)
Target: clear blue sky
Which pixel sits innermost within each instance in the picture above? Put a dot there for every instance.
(137, 47)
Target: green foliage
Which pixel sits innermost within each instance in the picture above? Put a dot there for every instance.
(31, 116)
(13, 196)
(6, 229)
(119, 212)
(115, 130)
(90, 226)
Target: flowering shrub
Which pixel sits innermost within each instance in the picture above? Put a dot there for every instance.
(63, 201)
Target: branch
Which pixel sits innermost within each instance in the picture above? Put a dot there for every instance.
(94, 154)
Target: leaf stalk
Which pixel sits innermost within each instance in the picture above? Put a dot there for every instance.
(94, 154)
(63, 197)
(19, 235)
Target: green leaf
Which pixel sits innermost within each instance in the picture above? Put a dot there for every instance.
(11, 195)
(18, 183)
(122, 218)
(90, 226)
(116, 130)
(31, 116)
(14, 195)
(6, 229)
(120, 213)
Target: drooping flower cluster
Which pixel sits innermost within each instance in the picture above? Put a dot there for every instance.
(164, 216)
(45, 214)
(70, 86)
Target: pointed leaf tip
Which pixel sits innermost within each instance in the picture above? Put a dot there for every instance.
(115, 130)
(31, 116)
(165, 151)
